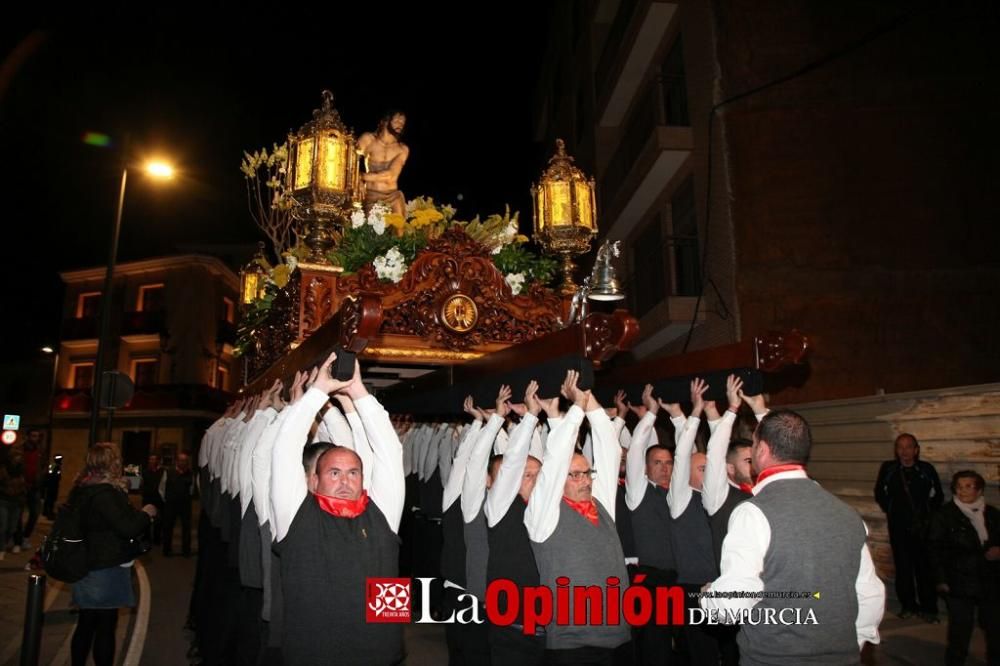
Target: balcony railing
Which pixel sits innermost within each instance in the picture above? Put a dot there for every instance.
(81, 328)
(196, 397)
(655, 108)
(144, 323)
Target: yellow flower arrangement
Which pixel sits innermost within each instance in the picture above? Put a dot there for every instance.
(424, 217)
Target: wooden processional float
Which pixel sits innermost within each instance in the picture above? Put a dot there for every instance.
(453, 314)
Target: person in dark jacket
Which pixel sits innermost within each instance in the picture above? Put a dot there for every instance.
(109, 526)
(964, 539)
(909, 490)
(152, 476)
(178, 487)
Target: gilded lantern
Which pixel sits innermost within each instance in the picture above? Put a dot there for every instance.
(565, 212)
(253, 277)
(323, 177)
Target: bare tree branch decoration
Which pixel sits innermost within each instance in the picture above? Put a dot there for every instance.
(267, 195)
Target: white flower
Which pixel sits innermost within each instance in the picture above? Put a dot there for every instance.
(411, 206)
(357, 218)
(376, 218)
(448, 211)
(292, 262)
(390, 266)
(516, 282)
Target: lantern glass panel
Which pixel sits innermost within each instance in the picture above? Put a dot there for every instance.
(585, 215)
(250, 283)
(540, 209)
(303, 164)
(333, 162)
(560, 204)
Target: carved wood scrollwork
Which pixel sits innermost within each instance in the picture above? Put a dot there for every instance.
(604, 335)
(317, 301)
(776, 349)
(454, 265)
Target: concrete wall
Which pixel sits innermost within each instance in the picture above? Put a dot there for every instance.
(958, 428)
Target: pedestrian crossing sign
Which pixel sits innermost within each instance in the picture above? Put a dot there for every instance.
(11, 421)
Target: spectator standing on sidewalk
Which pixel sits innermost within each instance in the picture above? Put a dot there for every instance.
(909, 491)
(12, 492)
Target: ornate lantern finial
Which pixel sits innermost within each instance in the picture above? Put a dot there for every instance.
(565, 212)
(323, 177)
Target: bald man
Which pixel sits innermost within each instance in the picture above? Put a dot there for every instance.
(333, 535)
(690, 527)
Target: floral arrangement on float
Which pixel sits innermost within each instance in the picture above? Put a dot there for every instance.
(388, 242)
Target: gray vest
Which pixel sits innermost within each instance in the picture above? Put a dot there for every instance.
(651, 530)
(587, 554)
(692, 539)
(477, 554)
(816, 542)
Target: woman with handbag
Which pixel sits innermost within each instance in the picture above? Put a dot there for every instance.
(965, 550)
(113, 531)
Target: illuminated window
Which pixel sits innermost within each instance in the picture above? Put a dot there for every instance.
(229, 308)
(145, 371)
(82, 375)
(150, 298)
(88, 304)
(222, 377)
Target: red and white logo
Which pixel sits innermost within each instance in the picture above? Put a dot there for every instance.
(388, 600)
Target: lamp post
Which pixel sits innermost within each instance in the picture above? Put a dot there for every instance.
(49, 351)
(159, 170)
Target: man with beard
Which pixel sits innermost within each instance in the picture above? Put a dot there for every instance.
(794, 535)
(385, 156)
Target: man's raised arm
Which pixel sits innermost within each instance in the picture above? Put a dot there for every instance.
(715, 486)
(474, 484)
(542, 515)
(508, 479)
(679, 494)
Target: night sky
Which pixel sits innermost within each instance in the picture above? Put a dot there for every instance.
(201, 95)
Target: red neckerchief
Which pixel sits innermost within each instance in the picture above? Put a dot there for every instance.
(746, 488)
(586, 509)
(343, 508)
(777, 469)
(621, 481)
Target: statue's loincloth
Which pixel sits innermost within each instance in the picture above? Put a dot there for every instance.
(388, 198)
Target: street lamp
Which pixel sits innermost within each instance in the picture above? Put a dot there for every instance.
(49, 351)
(156, 169)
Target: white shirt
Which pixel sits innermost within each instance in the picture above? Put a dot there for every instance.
(635, 460)
(474, 484)
(288, 483)
(245, 464)
(679, 494)
(542, 515)
(261, 468)
(743, 551)
(456, 479)
(507, 482)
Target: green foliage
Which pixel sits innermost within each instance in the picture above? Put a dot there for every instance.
(359, 246)
(516, 258)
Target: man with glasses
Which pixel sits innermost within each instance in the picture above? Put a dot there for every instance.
(570, 520)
